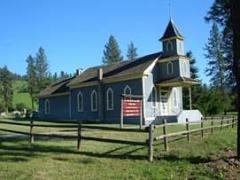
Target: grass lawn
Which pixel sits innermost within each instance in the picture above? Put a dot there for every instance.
(59, 159)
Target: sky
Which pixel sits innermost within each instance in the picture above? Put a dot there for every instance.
(74, 32)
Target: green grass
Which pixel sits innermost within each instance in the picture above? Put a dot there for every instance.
(59, 159)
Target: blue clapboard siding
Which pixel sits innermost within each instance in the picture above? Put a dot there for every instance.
(86, 114)
(109, 116)
(59, 108)
(113, 116)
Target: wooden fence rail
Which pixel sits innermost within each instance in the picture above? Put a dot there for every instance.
(153, 138)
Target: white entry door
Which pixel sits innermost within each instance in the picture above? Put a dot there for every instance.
(163, 102)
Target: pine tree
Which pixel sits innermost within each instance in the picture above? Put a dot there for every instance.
(6, 88)
(31, 78)
(193, 68)
(195, 89)
(42, 69)
(112, 53)
(132, 52)
(215, 55)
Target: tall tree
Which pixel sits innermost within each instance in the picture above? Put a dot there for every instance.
(32, 78)
(195, 89)
(132, 52)
(41, 68)
(215, 55)
(235, 19)
(6, 88)
(227, 14)
(193, 68)
(112, 53)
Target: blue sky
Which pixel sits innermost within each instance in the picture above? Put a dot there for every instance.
(74, 32)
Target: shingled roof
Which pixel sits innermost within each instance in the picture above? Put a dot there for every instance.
(117, 69)
(171, 31)
(91, 74)
(56, 87)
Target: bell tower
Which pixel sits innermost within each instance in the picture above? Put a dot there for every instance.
(172, 41)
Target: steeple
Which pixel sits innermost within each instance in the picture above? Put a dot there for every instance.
(172, 40)
(171, 32)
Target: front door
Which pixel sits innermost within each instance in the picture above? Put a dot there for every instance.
(164, 102)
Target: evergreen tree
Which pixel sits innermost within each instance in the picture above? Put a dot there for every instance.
(6, 88)
(195, 89)
(132, 52)
(112, 53)
(215, 55)
(193, 68)
(42, 69)
(31, 78)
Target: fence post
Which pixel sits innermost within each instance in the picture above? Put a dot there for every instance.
(212, 123)
(165, 138)
(221, 122)
(150, 143)
(188, 128)
(233, 120)
(202, 131)
(31, 132)
(228, 122)
(79, 137)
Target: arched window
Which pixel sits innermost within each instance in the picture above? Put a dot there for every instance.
(47, 106)
(184, 68)
(94, 100)
(80, 102)
(169, 68)
(154, 97)
(174, 97)
(127, 90)
(169, 46)
(109, 99)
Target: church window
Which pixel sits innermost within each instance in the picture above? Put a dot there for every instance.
(94, 100)
(109, 99)
(169, 68)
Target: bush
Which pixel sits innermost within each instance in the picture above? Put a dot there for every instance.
(20, 106)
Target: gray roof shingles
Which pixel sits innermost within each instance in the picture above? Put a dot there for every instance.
(91, 74)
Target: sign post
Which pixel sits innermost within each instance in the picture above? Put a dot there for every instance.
(131, 106)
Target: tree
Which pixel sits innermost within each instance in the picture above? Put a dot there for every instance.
(6, 88)
(132, 52)
(235, 19)
(193, 68)
(41, 69)
(215, 55)
(227, 14)
(32, 78)
(194, 75)
(112, 53)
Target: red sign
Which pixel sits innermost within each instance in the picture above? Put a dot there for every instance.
(132, 107)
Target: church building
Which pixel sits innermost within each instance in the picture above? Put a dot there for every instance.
(95, 93)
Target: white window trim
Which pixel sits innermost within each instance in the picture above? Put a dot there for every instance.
(109, 90)
(125, 89)
(94, 109)
(168, 64)
(175, 101)
(154, 97)
(47, 111)
(78, 103)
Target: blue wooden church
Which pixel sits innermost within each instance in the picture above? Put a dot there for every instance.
(95, 93)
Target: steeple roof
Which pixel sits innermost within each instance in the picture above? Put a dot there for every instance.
(171, 31)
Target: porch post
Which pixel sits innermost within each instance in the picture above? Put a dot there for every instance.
(190, 97)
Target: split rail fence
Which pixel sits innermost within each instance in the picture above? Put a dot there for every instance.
(206, 125)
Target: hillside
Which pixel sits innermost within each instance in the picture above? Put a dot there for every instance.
(20, 94)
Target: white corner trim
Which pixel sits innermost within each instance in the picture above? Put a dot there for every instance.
(150, 67)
